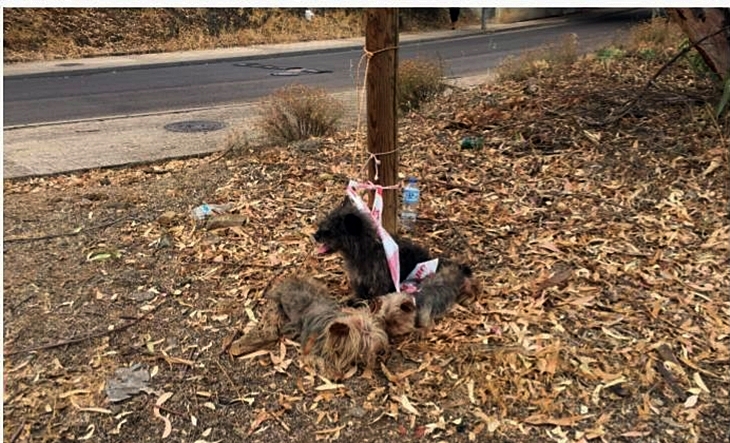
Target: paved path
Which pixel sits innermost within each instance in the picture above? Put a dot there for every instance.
(42, 149)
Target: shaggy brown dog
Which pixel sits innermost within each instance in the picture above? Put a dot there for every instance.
(333, 339)
(403, 313)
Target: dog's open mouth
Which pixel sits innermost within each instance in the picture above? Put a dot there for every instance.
(323, 249)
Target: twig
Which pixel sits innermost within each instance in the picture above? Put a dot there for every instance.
(73, 341)
(451, 185)
(65, 234)
(232, 143)
(630, 105)
(240, 266)
(669, 378)
(20, 303)
(233, 385)
(16, 434)
(171, 411)
(665, 354)
(185, 368)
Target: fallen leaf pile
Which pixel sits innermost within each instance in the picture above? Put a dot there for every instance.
(602, 247)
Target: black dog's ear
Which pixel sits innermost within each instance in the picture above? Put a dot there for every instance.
(353, 224)
(346, 202)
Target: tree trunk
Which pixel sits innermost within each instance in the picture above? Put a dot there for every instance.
(698, 23)
(381, 39)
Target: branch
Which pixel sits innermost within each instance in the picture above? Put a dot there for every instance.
(661, 70)
(17, 433)
(90, 336)
(448, 185)
(64, 234)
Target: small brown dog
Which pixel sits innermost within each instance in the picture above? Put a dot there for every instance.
(403, 313)
(353, 234)
(332, 338)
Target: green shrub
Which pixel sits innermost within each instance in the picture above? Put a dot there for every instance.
(609, 53)
(298, 112)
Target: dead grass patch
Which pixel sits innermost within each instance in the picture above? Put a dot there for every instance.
(558, 55)
(658, 34)
(419, 80)
(298, 112)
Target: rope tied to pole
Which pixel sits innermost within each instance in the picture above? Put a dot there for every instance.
(367, 56)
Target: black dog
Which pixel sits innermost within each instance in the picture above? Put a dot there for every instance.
(352, 233)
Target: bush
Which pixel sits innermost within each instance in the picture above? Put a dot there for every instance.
(298, 112)
(561, 54)
(657, 34)
(419, 80)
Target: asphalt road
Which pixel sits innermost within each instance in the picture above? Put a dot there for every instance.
(155, 88)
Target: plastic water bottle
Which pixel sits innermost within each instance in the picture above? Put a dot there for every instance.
(411, 197)
(204, 211)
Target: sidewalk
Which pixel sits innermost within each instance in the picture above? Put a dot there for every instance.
(59, 147)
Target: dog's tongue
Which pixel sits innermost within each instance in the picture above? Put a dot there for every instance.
(322, 249)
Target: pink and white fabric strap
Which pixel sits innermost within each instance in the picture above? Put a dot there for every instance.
(390, 246)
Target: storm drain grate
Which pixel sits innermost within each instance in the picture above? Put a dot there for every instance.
(195, 126)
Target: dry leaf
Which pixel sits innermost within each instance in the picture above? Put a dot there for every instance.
(156, 411)
(261, 417)
(89, 433)
(691, 401)
(74, 392)
(328, 386)
(407, 405)
(470, 391)
(701, 383)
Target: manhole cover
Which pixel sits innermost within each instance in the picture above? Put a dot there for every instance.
(195, 126)
(68, 65)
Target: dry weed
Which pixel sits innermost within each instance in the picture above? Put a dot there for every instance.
(419, 80)
(51, 33)
(560, 54)
(298, 112)
(658, 35)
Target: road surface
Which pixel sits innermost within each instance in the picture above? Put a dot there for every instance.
(62, 97)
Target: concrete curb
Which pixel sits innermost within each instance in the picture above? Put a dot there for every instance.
(77, 146)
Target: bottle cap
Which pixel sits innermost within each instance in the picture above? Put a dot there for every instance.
(412, 179)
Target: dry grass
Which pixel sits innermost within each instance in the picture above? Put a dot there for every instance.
(236, 143)
(52, 33)
(419, 80)
(298, 112)
(658, 34)
(558, 55)
(56, 33)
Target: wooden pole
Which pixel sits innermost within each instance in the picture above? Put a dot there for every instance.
(381, 40)
(698, 23)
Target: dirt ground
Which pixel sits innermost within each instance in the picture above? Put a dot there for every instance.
(601, 239)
